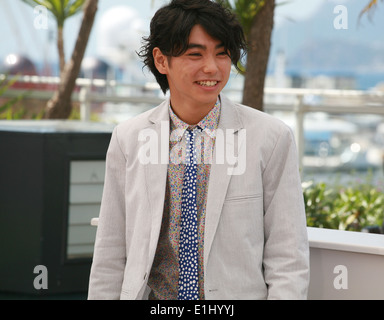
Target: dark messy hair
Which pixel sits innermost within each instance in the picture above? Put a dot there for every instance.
(172, 24)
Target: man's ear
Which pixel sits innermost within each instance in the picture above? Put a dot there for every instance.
(161, 61)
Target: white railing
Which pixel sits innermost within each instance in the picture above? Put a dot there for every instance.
(299, 102)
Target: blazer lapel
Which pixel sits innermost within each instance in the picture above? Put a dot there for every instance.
(156, 173)
(221, 169)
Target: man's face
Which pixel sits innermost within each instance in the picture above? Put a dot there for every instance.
(198, 76)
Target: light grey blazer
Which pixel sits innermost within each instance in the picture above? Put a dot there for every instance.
(255, 242)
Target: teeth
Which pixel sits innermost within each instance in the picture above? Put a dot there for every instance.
(207, 83)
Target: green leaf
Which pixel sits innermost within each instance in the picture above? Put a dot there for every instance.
(5, 83)
(75, 8)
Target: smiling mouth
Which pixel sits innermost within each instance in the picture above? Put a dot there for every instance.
(207, 83)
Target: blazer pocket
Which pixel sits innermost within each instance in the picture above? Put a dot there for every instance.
(243, 197)
(242, 215)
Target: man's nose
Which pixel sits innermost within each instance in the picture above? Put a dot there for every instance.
(210, 65)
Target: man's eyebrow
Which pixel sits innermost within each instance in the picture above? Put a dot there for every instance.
(201, 46)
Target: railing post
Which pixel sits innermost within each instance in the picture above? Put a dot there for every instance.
(299, 130)
(85, 103)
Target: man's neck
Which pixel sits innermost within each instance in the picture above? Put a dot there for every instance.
(191, 114)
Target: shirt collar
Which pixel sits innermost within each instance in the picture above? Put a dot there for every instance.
(208, 124)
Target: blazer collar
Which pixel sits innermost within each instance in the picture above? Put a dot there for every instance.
(229, 118)
(160, 113)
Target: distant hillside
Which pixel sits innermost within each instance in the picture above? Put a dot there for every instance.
(338, 56)
(314, 45)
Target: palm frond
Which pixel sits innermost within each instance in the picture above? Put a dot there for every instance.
(369, 9)
(75, 7)
(60, 9)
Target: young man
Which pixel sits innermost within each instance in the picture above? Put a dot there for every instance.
(247, 235)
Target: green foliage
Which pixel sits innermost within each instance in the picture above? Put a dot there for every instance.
(245, 10)
(336, 206)
(319, 202)
(75, 115)
(6, 109)
(60, 9)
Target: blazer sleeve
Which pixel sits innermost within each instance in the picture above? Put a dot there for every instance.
(109, 252)
(286, 252)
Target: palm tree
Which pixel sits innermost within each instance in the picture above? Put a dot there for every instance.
(61, 10)
(60, 105)
(256, 17)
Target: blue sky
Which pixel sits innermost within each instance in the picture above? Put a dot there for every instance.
(21, 37)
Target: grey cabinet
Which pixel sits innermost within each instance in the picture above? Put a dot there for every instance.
(51, 181)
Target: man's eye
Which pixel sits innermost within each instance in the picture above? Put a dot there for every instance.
(224, 53)
(195, 54)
